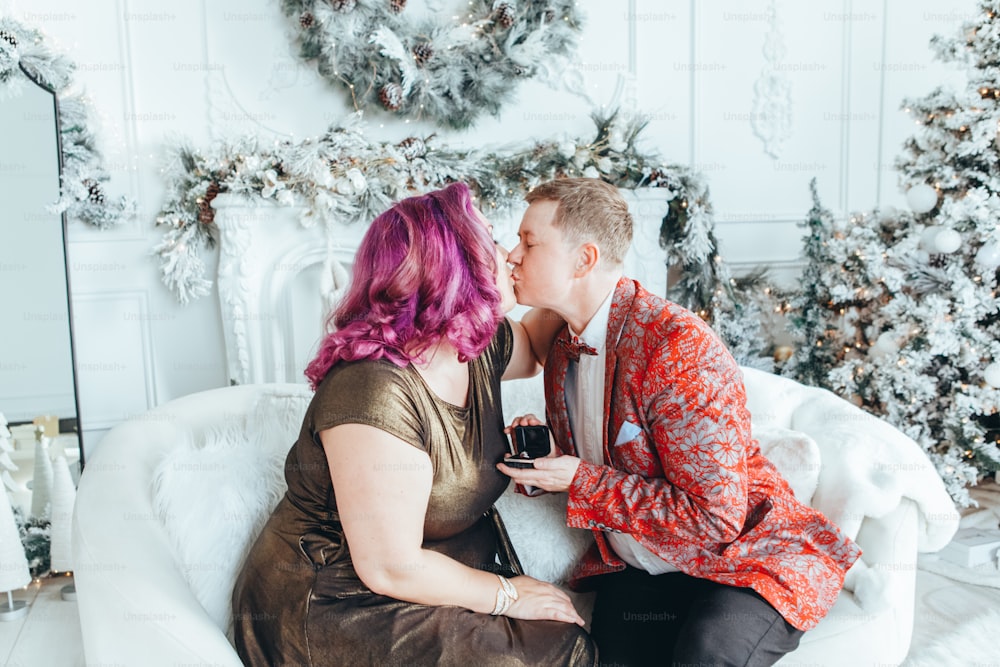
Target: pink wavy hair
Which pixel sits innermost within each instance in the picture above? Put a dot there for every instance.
(425, 271)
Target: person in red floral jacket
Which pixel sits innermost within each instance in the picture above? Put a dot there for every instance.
(702, 553)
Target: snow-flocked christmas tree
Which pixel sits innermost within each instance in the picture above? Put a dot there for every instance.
(7, 465)
(14, 571)
(900, 313)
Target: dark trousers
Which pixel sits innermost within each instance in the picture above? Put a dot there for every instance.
(680, 621)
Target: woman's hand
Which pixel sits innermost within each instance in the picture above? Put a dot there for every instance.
(539, 600)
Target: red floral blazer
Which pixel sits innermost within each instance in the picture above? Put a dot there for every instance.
(691, 485)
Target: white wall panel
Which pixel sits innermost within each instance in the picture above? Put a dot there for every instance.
(114, 358)
(663, 37)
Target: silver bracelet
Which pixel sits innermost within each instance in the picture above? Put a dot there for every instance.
(508, 587)
(506, 595)
(502, 604)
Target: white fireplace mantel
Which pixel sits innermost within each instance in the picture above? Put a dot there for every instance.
(272, 274)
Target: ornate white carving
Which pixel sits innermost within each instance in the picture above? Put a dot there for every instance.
(335, 277)
(234, 292)
(771, 117)
(272, 305)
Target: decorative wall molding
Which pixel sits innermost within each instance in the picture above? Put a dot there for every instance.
(117, 372)
(771, 118)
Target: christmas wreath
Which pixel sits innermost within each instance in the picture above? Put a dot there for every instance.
(82, 195)
(447, 73)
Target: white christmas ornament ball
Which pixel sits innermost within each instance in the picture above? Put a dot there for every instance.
(921, 198)
(992, 374)
(927, 236)
(988, 256)
(885, 344)
(947, 240)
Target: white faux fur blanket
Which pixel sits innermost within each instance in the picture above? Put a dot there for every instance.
(869, 466)
(972, 643)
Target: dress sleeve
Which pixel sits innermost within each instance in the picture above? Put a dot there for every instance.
(501, 347)
(373, 393)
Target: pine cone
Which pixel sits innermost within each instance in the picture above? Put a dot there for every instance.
(505, 15)
(206, 214)
(94, 193)
(8, 37)
(423, 52)
(307, 20)
(343, 5)
(391, 96)
(412, 147)
(397, 6)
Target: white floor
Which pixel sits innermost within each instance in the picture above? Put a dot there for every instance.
(943, 604)
(49, 634)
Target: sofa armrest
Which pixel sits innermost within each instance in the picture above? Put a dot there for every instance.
(135, 605)
(889, 545)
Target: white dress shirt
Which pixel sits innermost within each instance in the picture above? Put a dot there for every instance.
(585, 404)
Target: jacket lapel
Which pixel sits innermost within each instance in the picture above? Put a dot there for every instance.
(621, 307)
(557, 415)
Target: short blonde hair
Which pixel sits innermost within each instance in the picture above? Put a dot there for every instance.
(589, 210)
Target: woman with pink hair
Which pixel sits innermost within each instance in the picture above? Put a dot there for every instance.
(386, 549)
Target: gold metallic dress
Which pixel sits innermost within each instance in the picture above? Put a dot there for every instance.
(298, 599)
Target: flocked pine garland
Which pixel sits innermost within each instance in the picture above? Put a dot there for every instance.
(82, 195)
(343, 176)
(449, 72)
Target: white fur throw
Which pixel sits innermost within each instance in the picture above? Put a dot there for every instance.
(795, 455)
(545, 545)
(973, 642)
(213, 497)
(869, 467)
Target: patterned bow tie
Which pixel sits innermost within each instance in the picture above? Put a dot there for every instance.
(574, 348)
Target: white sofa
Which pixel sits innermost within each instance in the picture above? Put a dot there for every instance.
(171, 500)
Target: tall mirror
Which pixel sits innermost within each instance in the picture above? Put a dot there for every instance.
(37, 369)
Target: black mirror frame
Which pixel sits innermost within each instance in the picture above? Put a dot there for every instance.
(65, 254)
